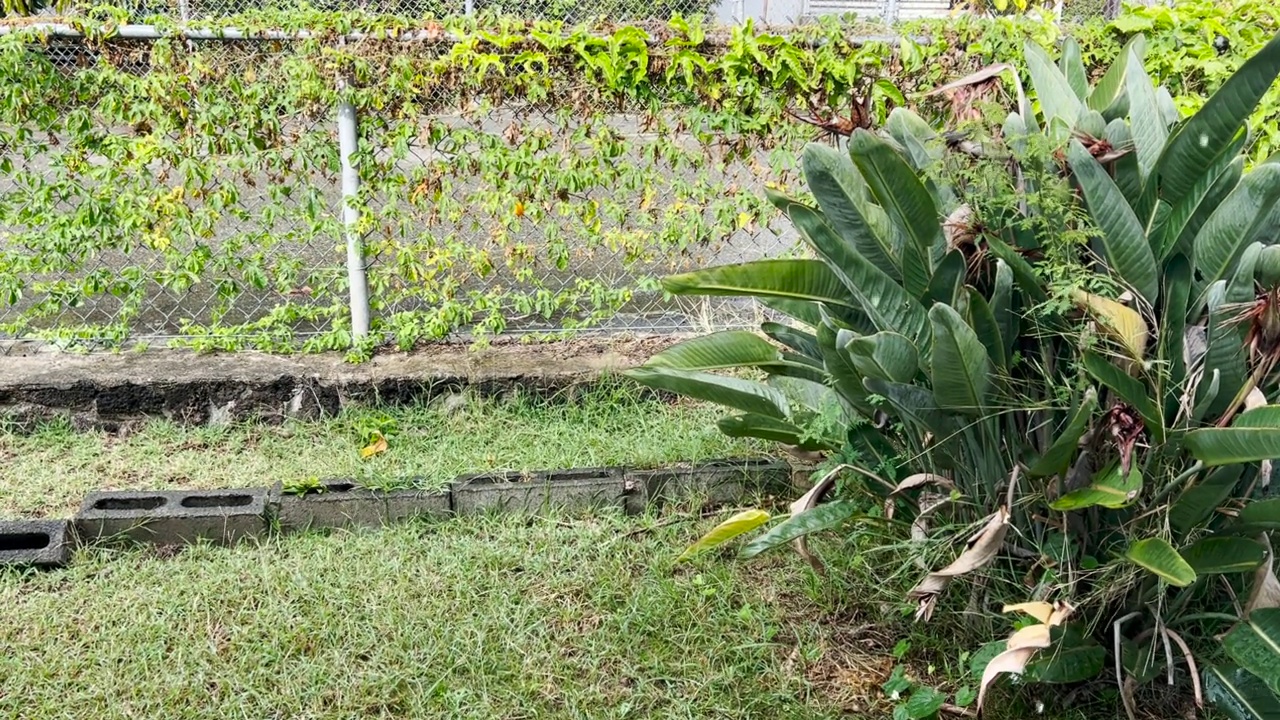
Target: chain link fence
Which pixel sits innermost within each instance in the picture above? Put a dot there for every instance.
(474, 215)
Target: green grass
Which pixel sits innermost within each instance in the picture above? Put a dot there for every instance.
(47, 472)
(467, 618)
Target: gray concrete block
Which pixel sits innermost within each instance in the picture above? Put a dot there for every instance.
(718, 482)
(174, 517)
(45, 543)
(345, 504)
(579, 489)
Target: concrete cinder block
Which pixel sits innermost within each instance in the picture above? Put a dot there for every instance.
(343, 503)
(718, 482)
(44, 543)
(572, 490)
(174, 517)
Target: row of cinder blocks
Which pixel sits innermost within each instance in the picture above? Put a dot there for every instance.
(228, 516)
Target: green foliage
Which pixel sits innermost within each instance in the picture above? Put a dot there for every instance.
(1125, 401)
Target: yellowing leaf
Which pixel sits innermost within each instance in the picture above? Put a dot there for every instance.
(1041, 611)
(377, 447)
(1120, 322)
(743, 522)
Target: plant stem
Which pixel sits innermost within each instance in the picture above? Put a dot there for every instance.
(1177, 482)
(1225, 617)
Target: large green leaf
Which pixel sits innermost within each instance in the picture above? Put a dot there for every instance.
(1072, 657)
(882, 299)
(822, 517)
(744, 395)
(1254, 644)
(843, 196)
(726, 349)
(1200, 500)
(1109, 489)
(915, 136)
(805, 311)
(803, 342)
(743, 522)
(1128, 389)
(1259, 515)
(1124, 241)
(1176, 295)
(947, 278)
(915, 405)
(1199, 141)
(982, 319)
(1110, 87)
(1221, 555)
(1003, 306)
(1177, 229)
(845, 378)
(1024, 275)
(774, 430)
(1224, 357)
(961, 370)
(1058, 456)
(1126, 171)
(1240, 694)
(1149, 131)
(1072, 67)
(899, 191)
(1228, 230)
(1253, 437)
(1057, 100)
(885, 355)
(793, 279)
(1158, 557)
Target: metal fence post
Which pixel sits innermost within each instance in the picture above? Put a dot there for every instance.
(356, 280)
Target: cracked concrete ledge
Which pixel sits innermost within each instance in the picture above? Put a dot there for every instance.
(111, 391)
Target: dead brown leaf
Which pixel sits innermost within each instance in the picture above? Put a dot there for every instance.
(377, 447)
(980, 549)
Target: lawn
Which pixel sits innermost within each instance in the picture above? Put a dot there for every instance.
(46, 473)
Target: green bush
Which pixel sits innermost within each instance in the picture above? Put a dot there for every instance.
(1083, 371)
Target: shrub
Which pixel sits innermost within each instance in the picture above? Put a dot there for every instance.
(1085, 375)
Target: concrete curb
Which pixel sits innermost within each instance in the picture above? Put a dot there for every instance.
(112, 392)
(229, 516)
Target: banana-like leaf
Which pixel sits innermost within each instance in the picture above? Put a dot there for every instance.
(843, 195)
(1253, 437)
(1176, 295)
(1057, 100)
(1199, 501)
(982, 319)
(1199, 141)
(804, 343)
(1120, 322)
(744, 395)
(805, 311)
(1058, 456)
(1177, 230)
(1072, 67)
(1124, 240)
(743, 522)
(1004, 308)
(961, 370)
(1229, 229)
(791, 279)
(1125, 169)
(1071, 657)
(774, 430)
(916, 136)
(914, 404)
(1223, 555)
(1158, 557)
(882, 299)
(1259, 515)
(1149, 130)
(1206, 395)
(1255, 645)
(822, 517)
(1128, 389)
(1023, 274)
(1240, 694)
(906, 200)
(1110, 489)
(885, 355)
(1224, 357)
(726, 349)
(845, 378)
(947, 278)
(1110, 87)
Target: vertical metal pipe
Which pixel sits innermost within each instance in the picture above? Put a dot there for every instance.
(470, 7)
(356, 280)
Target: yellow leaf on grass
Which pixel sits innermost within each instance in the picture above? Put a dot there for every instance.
(1121, 322)
(743, 522)
(376, 447)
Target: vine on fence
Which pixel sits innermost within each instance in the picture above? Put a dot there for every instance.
(512, 173)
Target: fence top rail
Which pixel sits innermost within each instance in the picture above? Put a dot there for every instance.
(432, 35)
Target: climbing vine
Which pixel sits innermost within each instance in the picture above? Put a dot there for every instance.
(514, 175)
